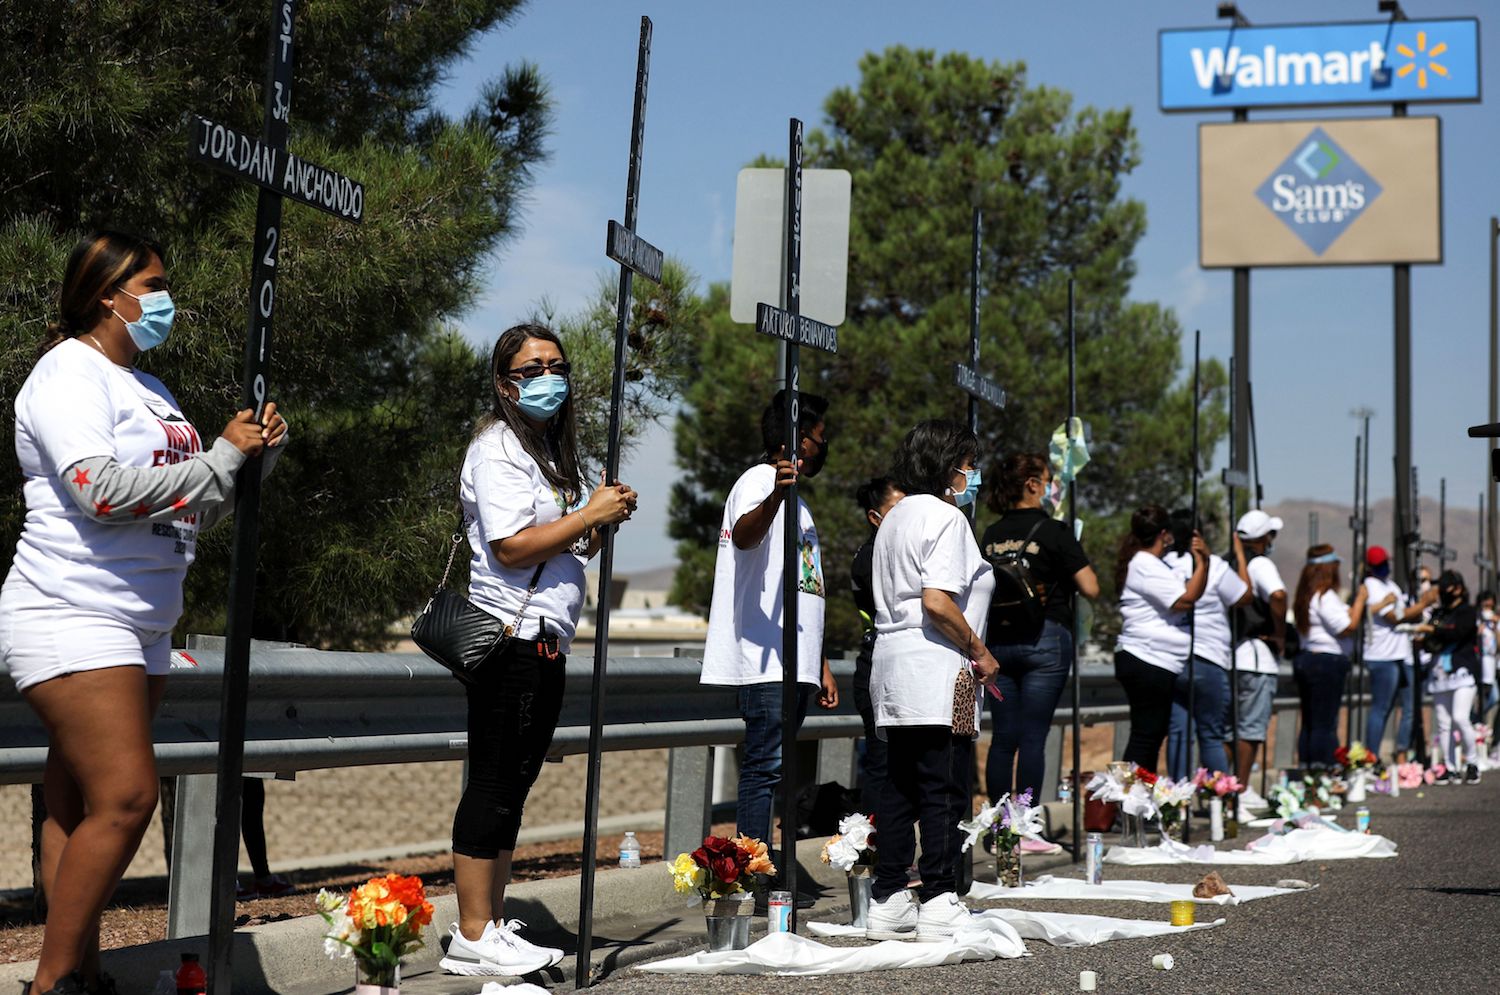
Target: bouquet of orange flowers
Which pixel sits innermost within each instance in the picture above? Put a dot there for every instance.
(378, 924)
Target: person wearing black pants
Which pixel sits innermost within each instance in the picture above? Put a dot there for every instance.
(1154, 644)
(1327, 627)
(929, 768)
(876, 497)
(531, 526)
(932, 595)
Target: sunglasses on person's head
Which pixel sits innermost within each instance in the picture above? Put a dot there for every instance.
(558, 367)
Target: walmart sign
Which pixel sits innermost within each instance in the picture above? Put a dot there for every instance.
(1319, 64)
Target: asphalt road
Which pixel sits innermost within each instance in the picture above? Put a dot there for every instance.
(1425, 922)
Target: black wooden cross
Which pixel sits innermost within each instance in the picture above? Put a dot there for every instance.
(796, 330)
(968, 378)
(267, 163)
(635, 255)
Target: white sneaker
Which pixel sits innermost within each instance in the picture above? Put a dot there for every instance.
(895, 918)
(1250, 798)
(510, 930)
(493, 954)
(939, 918)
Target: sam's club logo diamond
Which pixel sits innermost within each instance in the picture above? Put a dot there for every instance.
(1318, 191)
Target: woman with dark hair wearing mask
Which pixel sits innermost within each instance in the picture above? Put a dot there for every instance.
(1452, 637)
(1327, 626)
(932, 593)
(1153, 645)
(1035, 653)
(117, 487)
(532, 525)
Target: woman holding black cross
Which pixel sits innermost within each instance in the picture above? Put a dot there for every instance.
(118, 485)
(531, 525)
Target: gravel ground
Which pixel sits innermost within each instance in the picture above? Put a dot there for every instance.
(1427, 921)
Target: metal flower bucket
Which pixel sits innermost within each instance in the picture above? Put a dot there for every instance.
(861, 879)
(728, 922)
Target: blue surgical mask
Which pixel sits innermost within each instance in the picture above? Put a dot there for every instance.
(155, 323)
(540, 397)
(970, 492)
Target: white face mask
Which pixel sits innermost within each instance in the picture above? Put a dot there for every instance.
(1488, 613)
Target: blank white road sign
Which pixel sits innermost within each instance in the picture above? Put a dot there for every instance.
(758, 240)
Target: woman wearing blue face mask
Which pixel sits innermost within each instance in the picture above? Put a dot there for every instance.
(117, 486)
(932, 596)
(532, 525)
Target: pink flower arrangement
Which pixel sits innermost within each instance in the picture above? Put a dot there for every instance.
(1434, 772)
(1410, 775)
(1218, 784)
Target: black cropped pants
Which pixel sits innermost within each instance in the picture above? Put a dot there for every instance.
(513, 711)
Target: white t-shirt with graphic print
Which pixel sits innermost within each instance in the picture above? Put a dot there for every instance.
(76, 404)
(503, 491)
(743, 645)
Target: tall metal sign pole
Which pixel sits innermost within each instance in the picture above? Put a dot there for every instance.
(267, 163)
(788, 324)
(635, 255)
(1490, 552)
(1401, 280)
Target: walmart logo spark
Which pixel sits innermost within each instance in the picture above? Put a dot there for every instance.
(1422, 61)
(1318, 191)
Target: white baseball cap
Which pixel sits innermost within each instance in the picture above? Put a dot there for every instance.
(1256, 523)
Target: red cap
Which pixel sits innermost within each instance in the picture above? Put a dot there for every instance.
(1376, 555)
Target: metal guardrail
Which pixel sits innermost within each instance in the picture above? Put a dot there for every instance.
(311, 709)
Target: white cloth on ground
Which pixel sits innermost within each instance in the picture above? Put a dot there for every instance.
(791, 955)
(524, 988)
(1292, 848)
(1061, 929)
(1049, 887)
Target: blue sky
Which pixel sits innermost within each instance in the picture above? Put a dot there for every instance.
(726, 76)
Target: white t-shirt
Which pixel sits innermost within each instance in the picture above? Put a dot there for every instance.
(743, 645)
(1211, 613)
(503, 491)
(1255, 656)
(1382, 641)
(76, 404)
(1149, 629)
(923, 542)
(1327, 616)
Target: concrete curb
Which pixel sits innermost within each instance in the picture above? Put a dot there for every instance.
(280, 957)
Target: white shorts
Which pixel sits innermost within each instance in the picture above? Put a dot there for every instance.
(42, 637)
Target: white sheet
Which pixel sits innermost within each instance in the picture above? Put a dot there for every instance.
(1061, 929)
(1292, 848)
(793, 955)
(1049, 887)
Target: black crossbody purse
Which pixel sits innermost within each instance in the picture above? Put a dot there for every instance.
(456, 633)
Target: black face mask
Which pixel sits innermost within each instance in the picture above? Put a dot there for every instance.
(813, 465)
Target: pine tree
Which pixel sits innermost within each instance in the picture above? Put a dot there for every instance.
(379, 389)
(927, 139)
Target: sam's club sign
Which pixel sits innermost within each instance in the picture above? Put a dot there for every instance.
(1319, 64)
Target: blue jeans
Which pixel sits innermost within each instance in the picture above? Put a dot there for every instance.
(1210, 708)
(1320, 684)
(1390, 681)
(760, 768)
(1031, 678)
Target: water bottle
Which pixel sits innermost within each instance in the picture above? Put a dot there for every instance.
(1064, 791)
(630, 851)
